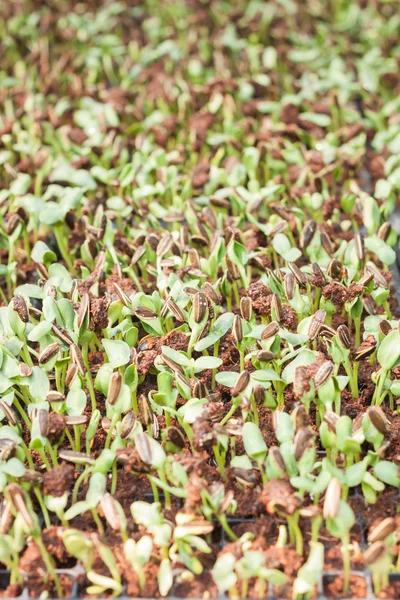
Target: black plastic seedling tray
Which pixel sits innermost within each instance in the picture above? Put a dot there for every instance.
(326, 575)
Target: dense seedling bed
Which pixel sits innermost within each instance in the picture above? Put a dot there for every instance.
(199, 329)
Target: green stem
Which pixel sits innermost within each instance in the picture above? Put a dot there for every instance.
(346, 563)
(43, 507)
(232, 410)
(113, 423)
(62, 246)
(97, 520)
(78, 482)
(226, 528)
(49, 564)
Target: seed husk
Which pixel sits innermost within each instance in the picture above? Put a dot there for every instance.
(364, 350)
(323, 374)
(318, 274)
(270, 330)
(359, 245)
(84, 310)
(246, 308)
(289, 285)
(78, 458)
(53, 396)
(76, 420)
(143, 448)
(275, 454)
(144, 313)
(10, 413)
(357, 424)
(237, 329)
(114, 387)
(20, 306)
(379, 419)
(122, 296)
(102, 227)
(77, 358)
(190, 291)
(43, 272)
(220, 202)
(199, 240)
(375, 553)
(194, 258)
(299, 417)
(241, 383)
(265, 355)
(384, 231)
(334, 269)
(344, 337)
(175, 436)
(176, 310)
(377, 275)
(210, 292)
(384, 327)
(128, 424)
(327, 243)
(210, 217)
(48, 353)
(155, 427)
(205, 331)
(333, 496)
(307, 234)
(309, 512)
(153, 240)
(276, 307)
(302, 442)
(35, 312)
(51, 291)
(316, 322)
(232, 268)
(369, 304)
(70, 375)
(300, 381)
(382, 530)
(366, 279)
(31, 476)
(13, 221)
(297, 273)
(7, 448)
(165, 245)
(106, 424)
(327, 332)
(62, 334)
(43, 420)
(6, 518)
(137, 255)
(331, 419)
(25, 370)
(171, 364)
(100, 261)
(234, 427)
(200, 307)
(259, 394)
(199, 389)
(110, 510)
(145, 411)
(16, 495)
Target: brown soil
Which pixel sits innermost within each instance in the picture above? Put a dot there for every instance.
(202, 586)
(334, 589)
(59, 480)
